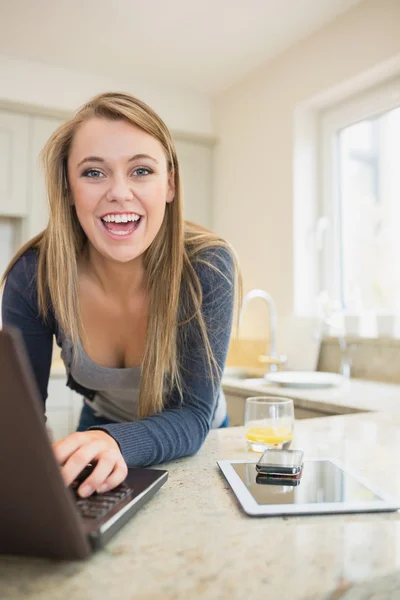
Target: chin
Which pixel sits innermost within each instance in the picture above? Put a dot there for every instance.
(123, 257)
(118, 255)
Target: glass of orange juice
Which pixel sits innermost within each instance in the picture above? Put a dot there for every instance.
(268, 423)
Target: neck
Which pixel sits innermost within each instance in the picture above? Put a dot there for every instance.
(117, 280)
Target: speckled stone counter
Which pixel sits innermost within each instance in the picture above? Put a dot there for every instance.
(193, 541)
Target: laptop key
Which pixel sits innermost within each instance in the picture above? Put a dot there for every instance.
(81, 504)
(94, 514)
(118, 494)
(98, 505)
(93, 503)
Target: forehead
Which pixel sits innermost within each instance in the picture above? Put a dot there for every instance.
(112, 140)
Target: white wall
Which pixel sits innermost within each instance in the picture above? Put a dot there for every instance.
(255, 122)
(65, 89)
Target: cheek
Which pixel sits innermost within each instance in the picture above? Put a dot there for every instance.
(85, 199)
(154, 198)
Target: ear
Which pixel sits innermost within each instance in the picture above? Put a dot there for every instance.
(171, 188)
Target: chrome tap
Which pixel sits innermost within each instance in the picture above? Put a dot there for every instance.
(271, 358)
(332, 323)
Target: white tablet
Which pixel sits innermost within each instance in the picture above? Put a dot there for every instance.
(325, 487)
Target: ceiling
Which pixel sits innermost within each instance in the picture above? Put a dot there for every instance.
(204, 45)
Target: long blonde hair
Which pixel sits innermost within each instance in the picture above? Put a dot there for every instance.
(168, 261)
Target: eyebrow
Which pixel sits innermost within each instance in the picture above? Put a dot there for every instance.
(101, 160)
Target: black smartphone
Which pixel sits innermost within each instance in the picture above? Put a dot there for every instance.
(282, 481)
(282, 476)
(281, 462)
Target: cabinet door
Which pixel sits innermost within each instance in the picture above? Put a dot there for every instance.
(14, 154)
(41, 130)
(306, 413)
(195, 160)
(63, 408)
(235, 409)
(58, 408)
(76, 408)
(10, 240)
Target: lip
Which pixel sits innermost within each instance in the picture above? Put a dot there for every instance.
(115, 236)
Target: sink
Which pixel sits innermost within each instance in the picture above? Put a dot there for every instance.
(243, 372)
(309, 380)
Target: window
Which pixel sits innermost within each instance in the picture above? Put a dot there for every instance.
(360, 193)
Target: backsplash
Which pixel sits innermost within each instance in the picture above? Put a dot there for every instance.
(245, 353)
(376, 359)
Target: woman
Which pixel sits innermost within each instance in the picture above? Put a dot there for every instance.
(140, 302)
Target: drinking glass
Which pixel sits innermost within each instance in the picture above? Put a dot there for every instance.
(268, 423)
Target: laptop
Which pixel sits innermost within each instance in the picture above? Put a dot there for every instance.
(39, 515)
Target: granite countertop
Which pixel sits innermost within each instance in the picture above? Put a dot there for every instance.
(354, 395)
(193, 541)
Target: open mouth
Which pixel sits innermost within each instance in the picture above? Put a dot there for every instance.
(121, 224)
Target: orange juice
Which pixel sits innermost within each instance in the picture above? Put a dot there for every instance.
(269, 435)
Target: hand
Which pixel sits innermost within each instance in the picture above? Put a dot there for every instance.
(78, 449)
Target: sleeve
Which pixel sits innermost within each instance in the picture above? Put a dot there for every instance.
(181, 430)
(20, 310)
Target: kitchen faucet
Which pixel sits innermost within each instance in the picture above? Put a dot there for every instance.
(346, 350)
(333, 325)
(271, 358)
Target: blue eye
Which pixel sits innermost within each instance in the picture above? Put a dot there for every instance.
(93, 173)
(142, 171)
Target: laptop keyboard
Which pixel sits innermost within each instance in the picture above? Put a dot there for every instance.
(97, 506)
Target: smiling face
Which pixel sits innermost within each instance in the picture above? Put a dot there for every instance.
(120, 185)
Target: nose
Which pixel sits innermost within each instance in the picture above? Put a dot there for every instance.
(120, 189)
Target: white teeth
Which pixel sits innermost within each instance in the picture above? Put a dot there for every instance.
(121, 218)
(120, 232)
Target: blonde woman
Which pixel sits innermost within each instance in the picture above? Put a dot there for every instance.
(139, 301)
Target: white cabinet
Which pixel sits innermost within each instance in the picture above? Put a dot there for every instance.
(63, 407)
(235, 409)
(58, 408)
(38, 215)
(195, 160)
(22, 188)
(10, 240)
(76, 407)
(14, 157)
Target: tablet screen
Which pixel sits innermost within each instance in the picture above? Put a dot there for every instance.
(321, 482)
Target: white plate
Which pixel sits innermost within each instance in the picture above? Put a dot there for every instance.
(305, 379)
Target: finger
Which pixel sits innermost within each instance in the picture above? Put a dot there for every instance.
(66, 447)
(79, 460)
(105, 465)
(117, 476)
